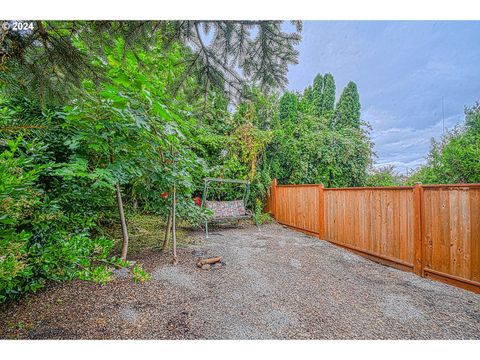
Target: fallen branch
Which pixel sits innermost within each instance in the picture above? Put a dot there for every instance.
(213, 260)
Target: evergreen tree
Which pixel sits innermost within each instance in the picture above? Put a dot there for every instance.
(328, 99)
(347, 111)
(305, 147)
(306, 102)
(288, 107)
(59, 54)
(318, 95)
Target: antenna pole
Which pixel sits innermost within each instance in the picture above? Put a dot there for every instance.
(443, 114)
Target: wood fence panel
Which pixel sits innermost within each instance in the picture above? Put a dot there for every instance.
(298, 206)
(377, 222)
(452, 233)
(433, 230)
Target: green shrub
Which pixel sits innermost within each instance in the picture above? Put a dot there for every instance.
(40, 237)
(139, 274)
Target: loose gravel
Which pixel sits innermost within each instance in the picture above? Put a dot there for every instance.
(275, 284)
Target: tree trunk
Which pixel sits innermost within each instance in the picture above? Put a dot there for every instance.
(174, 225)
(123, 223)
(167, 230)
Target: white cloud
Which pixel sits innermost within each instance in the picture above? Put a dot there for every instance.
(406, 148)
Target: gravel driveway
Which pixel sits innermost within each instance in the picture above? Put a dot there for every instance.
(276, 284)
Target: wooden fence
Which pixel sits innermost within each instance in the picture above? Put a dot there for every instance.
(432, 230)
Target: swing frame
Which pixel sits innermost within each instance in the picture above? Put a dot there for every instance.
(248, 213)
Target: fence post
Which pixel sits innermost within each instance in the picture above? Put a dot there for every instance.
(418, 205)
(321, 212)
(274, 197)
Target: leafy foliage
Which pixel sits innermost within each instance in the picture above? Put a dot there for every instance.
(58, 54)
(40, 240)
(456, 157)
(306, 148)
(58, 181)
(384, 176)
(139, 274)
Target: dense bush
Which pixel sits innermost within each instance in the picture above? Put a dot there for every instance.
(384, 176)
(456, 157)
(58, 180)
(316, 143)
(40, 238)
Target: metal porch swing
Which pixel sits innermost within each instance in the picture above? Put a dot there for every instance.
(225, 211)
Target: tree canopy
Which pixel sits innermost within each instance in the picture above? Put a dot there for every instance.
(308, 148)
(51, 60)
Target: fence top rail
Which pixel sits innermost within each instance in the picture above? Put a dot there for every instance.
(374, 188)
(433, 186)
(299, 185)
(451, 186)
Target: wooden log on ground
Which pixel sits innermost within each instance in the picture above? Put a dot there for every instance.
(213, 260)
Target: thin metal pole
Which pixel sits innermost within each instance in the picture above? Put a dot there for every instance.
(204, 199)
(174, 213)
(174, 234)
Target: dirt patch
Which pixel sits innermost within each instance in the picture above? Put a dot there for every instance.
(175, 276)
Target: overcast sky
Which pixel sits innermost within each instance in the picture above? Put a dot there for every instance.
(402, 70)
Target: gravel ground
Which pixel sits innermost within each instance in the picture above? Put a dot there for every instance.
(276, 284)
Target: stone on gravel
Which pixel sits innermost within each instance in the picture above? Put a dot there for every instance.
(128, 314)
(121, 273)
(295, 263)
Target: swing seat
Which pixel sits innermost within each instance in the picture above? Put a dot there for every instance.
(225, 211)
(228, 210)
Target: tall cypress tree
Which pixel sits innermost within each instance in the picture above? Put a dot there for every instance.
(328, 100)
(347, 111)
(306, 102)
(317, 92)
(288, 107)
